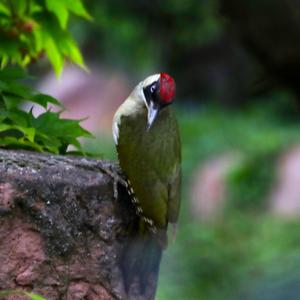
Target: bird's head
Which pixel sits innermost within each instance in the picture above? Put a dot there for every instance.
(158, 91)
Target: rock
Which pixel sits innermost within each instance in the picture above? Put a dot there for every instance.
(285, 197)
(63, 234)
(208, 189)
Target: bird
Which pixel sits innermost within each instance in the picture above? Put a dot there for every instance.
(148, 143)
(147, 140)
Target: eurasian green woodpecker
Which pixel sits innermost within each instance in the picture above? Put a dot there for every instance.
(147, 138)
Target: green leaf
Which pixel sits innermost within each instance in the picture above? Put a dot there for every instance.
(76, 7)
(49, 36)
(11, 101)
(18, 117)
(54, 55)
(4, 9)
(4, 61)
(38, 35)
(69, 47)
(14, 142)
(76, 57)
(63, 46)
(20, 7)
(43, 100)
(34, 8)
(17, 89)
(34, 296)
(5, 293)
(50, 143)
(19, 131)
(12, 73)
(15, 94)
(49, 122)
(28, 132)
(59, 8)
(4, 127)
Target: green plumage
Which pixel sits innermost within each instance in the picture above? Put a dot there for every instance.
(151, 159)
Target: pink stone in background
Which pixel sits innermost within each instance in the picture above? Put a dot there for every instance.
(285, 197)
(208, 188)
(94, 96)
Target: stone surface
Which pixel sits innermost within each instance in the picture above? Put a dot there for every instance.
(62, 233)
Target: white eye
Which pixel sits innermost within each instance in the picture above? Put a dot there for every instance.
(152, 89)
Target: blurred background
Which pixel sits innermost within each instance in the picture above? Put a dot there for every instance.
(236, 64)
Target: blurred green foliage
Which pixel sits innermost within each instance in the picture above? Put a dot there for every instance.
(230, 259)
(27, 29)
(240, 254)
(30, 28)
(146, 34)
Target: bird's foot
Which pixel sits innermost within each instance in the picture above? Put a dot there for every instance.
(116, 175)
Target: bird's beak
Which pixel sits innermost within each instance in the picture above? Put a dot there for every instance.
(153, 111)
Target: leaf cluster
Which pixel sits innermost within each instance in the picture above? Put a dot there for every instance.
(31, 29)
(20, 129)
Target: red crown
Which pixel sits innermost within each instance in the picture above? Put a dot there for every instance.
(167, 88)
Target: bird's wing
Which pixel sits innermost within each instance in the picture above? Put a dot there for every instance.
(174, 187)
(152, 165)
